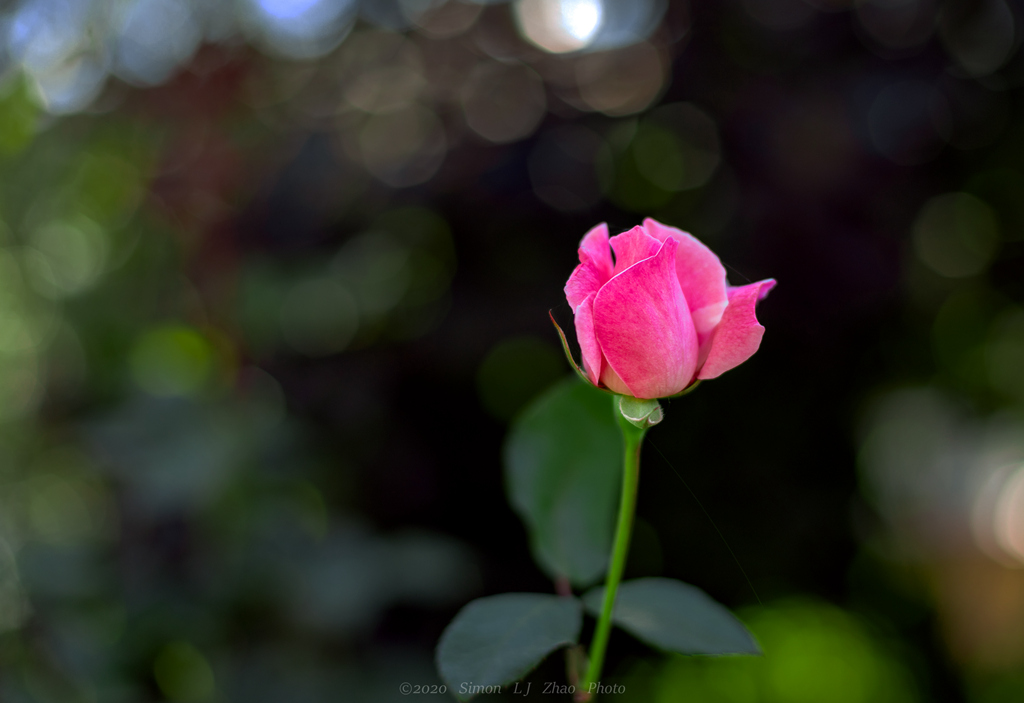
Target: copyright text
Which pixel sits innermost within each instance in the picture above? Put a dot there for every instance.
(519, 688)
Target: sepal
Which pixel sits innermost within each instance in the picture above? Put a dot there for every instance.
(568, 356)
(640, 412)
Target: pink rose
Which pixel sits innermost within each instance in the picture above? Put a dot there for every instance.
(661, 315)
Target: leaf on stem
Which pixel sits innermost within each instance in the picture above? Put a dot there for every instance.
(499, 639)
(675, 617)
(562, 472)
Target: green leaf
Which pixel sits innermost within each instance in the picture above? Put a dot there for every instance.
(676, 617)
(499, 639)
(563, 466)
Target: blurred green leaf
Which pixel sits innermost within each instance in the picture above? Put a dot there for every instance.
(183, 674)
(676, 617)
(107, 188)
(813, 652)
(19, 118)
(499, 639)
(515, 371)
(172, 360)
(563, 462)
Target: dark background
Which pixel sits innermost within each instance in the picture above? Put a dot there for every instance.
(271, 294)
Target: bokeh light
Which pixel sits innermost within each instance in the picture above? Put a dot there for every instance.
(60, 44)
(447, 19)
(897, 25)
(559, 26)
(69, 256)
(956, 235)
(273, 284)
(979, 36)
(319, 317)
(403, 148)
(1009, 516)
(503, 103)
(155, 37)
(383, 72)
(621, 82)
(301, 29)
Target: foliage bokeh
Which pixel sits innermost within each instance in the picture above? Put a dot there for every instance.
(274, 281)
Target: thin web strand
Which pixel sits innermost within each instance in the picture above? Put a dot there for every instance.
(710, 519)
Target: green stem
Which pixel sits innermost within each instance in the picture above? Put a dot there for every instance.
(632, 437)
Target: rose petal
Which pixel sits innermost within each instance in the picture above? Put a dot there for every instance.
(594, 269)
(644, 327)
(704, 321)
(633, 246)
(701, 276)
(612, 381)
(739, 333)
(593, 361)
(585, 280)
(594, 246)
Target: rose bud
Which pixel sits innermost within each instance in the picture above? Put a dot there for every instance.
(660, 315)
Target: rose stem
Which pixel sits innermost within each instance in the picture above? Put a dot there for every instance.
(632, 437)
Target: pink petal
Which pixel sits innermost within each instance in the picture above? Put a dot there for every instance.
(633, 246)
(585, 280)
(594, 246)
(594, 269)
(739, 333)
(701, 276)
(644, 327)
(612, 382)
(593, 361)
(704, 321)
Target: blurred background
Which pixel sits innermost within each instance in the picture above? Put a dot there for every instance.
(274, 280)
